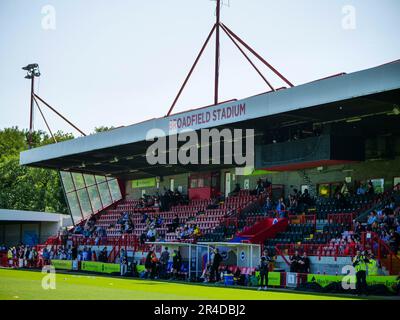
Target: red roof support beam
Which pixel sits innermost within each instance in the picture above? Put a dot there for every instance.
(191, 70)
(217, 52)
(247, 57)
(257, 55)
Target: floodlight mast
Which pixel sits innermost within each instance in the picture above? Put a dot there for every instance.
(32, 72)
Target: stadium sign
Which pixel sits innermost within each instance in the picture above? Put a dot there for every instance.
(210, 116)
(62, 264)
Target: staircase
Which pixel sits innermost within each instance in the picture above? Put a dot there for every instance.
(307, 180)
(261, 231)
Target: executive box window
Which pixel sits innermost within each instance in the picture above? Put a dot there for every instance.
(87, 194)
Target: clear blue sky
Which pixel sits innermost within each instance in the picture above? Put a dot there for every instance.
(122, 61)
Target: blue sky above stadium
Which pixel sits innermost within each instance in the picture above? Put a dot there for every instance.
(120, 62)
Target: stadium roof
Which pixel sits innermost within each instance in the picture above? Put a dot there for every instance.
(121, 152)
(31, 216)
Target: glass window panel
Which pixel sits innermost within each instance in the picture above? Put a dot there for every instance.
(115, 190)
(100, 179)
(85, 202)
(95, 198)
(74, 206)
(105, 194)
(200, 183)
(379, 185)
(89, 180)
(67, 181)
(193, 183)
(78, 180)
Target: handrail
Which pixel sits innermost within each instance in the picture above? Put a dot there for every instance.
(342, 218)
(376, 239)
(304, 218)
(282, 255)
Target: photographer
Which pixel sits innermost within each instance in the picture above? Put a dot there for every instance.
(360, 262)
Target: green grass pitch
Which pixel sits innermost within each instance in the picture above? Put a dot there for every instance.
(26, 285)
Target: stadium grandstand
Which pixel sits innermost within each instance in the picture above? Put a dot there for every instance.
(324, 186)
(325, 183)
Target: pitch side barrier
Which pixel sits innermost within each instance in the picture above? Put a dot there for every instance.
(289, 280)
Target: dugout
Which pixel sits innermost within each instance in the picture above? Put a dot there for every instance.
(242, 255)
(194, 256)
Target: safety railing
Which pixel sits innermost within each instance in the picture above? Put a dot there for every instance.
(342, 218)
(319, 250)
(303, 219)
(389, 259)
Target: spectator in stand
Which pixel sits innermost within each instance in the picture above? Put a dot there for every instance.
(293, 204)
(196, 232)
(268, 206)
(305, 198)
(372, 219)
(370, 188)
(266, 184)
(143, 238)
(281, 208)
(145, 216)
(294, 262)
(394, 241)
(259, 187)
(236, 191)
(360, 190)
(175, 224)
(158, 221)
(151, 234)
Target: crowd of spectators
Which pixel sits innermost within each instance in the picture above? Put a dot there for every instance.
(188, 231)
(385, 223)
(25, 256)
(296, 203)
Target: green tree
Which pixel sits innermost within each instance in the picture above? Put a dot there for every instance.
(102, 129)
(26, 188)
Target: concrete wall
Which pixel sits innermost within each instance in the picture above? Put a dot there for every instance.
(327, 265)
(13, 233)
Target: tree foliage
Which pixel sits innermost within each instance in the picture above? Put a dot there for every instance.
(26, 188)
